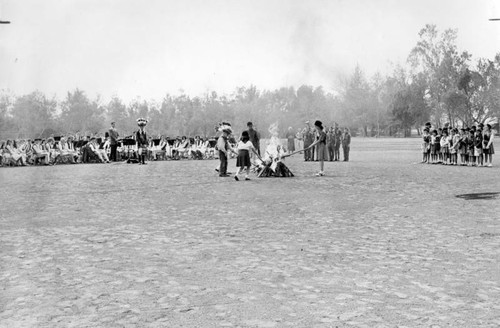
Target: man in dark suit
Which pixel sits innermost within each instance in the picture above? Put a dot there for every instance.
(113, 141)
(254, 137)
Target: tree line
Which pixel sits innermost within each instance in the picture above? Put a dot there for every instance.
(439, 83)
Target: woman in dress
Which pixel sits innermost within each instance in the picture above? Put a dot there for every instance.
(488, 149)
(320, 143)
(40, 152)
(16, 156)
(184, 147)
(243, 162)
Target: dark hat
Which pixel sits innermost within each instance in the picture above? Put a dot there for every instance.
(481, 125)
(245, 134)
(434, 131)
(428, 124)
(249, 123)
(473, 128)
(318, 124)
(426, 130)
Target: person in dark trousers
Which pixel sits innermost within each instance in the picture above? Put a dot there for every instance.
(223, 146)
(254, 137)
(337, 140)
(113, 141)
(290, 137)
(330, 144)
(142, 141)
(346, 144)
(308, 140)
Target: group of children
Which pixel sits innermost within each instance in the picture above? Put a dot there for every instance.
(474, 145)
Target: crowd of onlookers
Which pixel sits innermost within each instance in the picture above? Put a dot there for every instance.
(336, 138)
(473, 145)
(71, 150)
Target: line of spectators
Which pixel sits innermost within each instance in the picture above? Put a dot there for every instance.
(474, 145)
(71, 150)
(336, 138)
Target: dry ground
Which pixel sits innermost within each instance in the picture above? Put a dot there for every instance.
(378, 242)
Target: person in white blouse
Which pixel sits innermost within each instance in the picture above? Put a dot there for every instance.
(196, 152)
(243, 162)
(101, 154)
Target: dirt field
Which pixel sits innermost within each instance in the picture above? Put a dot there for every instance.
(378, 242)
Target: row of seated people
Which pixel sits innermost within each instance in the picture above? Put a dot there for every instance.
(64, 150)
(182, 148)
(59, 150)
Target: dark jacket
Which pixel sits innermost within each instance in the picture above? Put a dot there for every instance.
(113, 136)
(141, 139)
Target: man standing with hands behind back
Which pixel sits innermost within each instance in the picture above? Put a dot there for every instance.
(113, 141)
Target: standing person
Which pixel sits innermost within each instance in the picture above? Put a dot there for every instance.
(470, 148)
(312, 137)
(445, 146)
(299, 139)
(434, 142)
(142, 140)
(290, 137)
(426, 140)
(321, 143)
(223, 146)
(454, 146)
(254, 137)
(307, 141)
(337, 143)
(113, 141)
(315, 150)
(438, 146)
(478, 146)
(346, 144)
(488, 149)
(330, 143)
(462, 148)
(243, 159)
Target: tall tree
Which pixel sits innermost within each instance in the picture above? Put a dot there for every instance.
(33, 114)
(437, 57)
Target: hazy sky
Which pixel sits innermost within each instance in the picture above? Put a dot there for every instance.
(149, 48)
